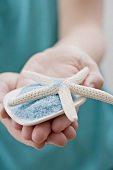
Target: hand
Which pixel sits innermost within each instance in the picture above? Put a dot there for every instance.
(8, 82)
(58, 62)
(65, 61)
(61, 62)
(31, 136)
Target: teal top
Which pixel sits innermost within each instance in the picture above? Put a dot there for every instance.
(28, 27)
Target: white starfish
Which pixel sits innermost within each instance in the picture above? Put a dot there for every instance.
(63, 87)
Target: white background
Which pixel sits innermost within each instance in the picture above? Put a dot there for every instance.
(107, 64)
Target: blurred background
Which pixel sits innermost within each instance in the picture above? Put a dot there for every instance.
(107, 63)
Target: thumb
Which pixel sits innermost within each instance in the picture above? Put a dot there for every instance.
(23, 81)
(94, 80)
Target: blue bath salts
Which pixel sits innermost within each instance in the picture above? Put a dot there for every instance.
(38, 108)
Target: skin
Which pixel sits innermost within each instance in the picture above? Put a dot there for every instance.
(63, 60)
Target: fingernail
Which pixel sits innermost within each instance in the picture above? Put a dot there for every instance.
(48, 143)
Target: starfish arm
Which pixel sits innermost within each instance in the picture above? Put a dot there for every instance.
(80, 76)
(34, 95)
(67, 103)
(39, 78)
(89, 92)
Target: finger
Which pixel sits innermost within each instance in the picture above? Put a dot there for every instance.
(23, 81)
(41, 132)
(58, 139)
(94, 78)
(17, 135)
(38, 146)
(75, 125)
(4, 114)
(60, 123)
(7, 83)
(70, 133)
(77, 109)
(32, 144)
(16, 125)
(27, 132)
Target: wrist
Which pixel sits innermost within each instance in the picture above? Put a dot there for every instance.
(88, 38)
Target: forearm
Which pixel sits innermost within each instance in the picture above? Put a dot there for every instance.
(87, 37)
(80, 24)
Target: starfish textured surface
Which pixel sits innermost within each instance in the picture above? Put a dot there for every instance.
(64, 88)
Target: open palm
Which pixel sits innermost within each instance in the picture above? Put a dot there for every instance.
(54, 62)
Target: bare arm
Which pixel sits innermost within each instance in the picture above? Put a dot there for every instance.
(80, 24)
